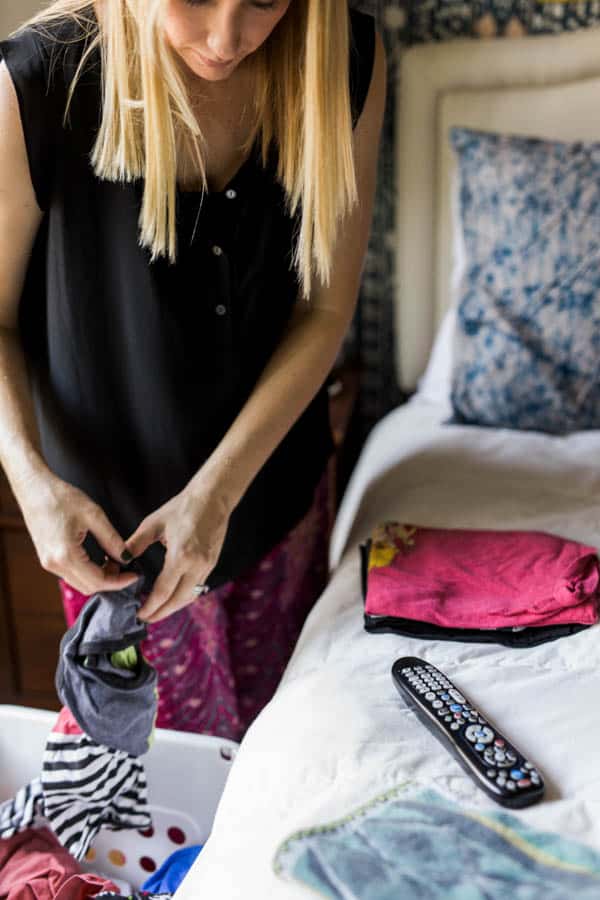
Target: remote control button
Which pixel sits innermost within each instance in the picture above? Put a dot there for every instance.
(511, 757)
(501, 780)
(516, 774)
(458, 716)
(437, 704)
(485, 735)
(499, 742)
(528, 765)
(500, 756)
(445, 696)
(481, 720)
(447, 718)
(429, 696)
(472, 718)
(524, 782)
(472, 733)
(511, 786)
(441, 712)
(480, 747)
(406, 669)
(456, 707)
(457, 696)
(535, 778)
(491, 773)
(455, 726)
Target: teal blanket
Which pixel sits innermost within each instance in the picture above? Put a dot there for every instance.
(404, 846)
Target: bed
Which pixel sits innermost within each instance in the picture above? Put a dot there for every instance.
(336, 734)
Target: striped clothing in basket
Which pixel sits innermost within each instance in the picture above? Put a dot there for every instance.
(84, 786)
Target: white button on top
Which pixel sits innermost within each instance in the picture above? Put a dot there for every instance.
(220, 310)
(217, 251)
(231, 194)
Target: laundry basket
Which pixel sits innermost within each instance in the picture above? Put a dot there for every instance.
(186, 776)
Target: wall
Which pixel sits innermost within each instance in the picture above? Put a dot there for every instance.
(13, 12)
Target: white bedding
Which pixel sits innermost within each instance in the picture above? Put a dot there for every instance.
(337, 734)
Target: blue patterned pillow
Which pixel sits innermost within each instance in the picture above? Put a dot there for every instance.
(527, 351)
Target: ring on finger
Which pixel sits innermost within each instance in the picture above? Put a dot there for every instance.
(200, 589)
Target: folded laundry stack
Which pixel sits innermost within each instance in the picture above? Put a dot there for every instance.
(509, 587)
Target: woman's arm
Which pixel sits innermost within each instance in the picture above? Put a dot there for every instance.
(20, 217)
(193, 525)
(57, 515)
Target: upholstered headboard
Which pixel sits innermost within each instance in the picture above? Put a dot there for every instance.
(538, 86)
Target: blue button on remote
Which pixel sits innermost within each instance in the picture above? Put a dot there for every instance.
(516, 774)
(456, 707)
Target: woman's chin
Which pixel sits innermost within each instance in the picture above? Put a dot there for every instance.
(210, 72)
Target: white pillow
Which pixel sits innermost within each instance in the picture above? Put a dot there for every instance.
(434, 385)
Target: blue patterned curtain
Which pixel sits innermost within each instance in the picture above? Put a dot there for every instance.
(401, 23)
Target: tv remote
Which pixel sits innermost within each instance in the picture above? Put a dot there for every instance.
(493, 763)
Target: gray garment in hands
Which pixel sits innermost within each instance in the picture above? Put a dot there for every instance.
(115, 707)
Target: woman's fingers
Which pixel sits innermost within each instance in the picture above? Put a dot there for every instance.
(164, 587)
(88, 578)
(173, 588)
(181, 597)
(148, 532)
(108, 537)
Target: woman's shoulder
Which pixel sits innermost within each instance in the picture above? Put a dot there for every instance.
(44, 56)
(362, 58)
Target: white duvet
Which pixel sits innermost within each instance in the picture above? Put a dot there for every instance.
(337, 734)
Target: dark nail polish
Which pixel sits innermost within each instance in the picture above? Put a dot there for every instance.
(126, 556)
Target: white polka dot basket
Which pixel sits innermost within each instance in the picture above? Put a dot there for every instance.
(186, 776)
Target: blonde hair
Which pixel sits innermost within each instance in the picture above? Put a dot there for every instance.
(302, 106)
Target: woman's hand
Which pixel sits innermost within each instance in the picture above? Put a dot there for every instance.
(192, 527)
(58, 517)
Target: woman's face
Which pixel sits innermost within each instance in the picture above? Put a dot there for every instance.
(213, 36)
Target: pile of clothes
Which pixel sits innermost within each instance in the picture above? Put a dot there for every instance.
(92, 776)
(34, 865)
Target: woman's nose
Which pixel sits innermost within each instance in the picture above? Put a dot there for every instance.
(223, 37)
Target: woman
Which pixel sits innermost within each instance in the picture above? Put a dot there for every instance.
(186, 191)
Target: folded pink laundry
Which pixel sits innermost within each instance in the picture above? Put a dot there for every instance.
(481, 579)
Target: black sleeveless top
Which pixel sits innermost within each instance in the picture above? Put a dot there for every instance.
(138, 368)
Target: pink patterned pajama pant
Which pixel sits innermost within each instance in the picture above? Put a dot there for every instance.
(220, 659)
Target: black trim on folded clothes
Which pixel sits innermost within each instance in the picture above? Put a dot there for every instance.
(529, 636)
